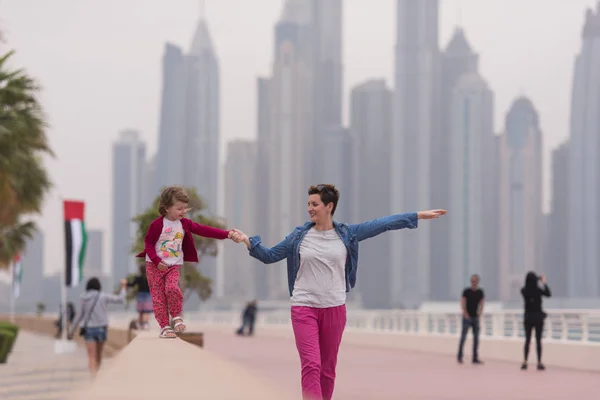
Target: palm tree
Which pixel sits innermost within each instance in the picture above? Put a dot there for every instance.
(191, 279)
(23, 178)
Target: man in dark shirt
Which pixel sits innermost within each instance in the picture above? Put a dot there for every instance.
(472, 306)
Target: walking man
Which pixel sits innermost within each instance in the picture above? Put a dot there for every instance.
(472, 306)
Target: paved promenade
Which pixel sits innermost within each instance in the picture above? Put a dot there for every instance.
(364, 372)
(35, 372)
(380, 374)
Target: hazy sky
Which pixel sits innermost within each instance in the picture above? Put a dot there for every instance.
(99, 62)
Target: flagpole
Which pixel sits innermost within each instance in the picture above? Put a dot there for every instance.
(63, 288)
(62, 345)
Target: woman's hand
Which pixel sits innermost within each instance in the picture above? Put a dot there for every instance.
(238, 236)
(431, 214)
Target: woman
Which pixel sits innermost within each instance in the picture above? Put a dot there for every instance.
(143, 297)
(94, 314)
(534, 315)
(322, 259)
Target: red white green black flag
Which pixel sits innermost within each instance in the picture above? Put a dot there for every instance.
(75, 241)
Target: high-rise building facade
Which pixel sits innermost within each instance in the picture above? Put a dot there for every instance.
(263, 172)
(240, 212)
(200, 153)
(556, 260)
(129, 162)
(416, 112)
(291, 127)
(371, 135)
(584, 165)
(470, 180)
(168, 163)
(457, 60)
(520, 198)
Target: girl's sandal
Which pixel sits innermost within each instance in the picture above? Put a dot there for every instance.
(167, 333)
(179, 325)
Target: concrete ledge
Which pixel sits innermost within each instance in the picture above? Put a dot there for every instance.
(153, 368)
(571, 355)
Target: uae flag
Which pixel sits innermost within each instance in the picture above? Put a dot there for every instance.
(75, 241)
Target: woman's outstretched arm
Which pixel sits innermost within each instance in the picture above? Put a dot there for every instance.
(377, 226)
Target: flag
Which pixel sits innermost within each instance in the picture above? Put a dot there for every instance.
(17, 275)
(75, 241)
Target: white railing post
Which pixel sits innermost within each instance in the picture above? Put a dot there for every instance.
(585, 332)
(423, 327)
(498, 325)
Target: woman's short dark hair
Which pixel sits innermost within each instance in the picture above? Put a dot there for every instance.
(93, 284)
(328, 194)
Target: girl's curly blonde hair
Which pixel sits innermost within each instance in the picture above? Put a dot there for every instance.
(169, 196)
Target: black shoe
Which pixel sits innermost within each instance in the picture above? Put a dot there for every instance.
(541, 367)
(524, 366)
(459, 360)
(478, 362)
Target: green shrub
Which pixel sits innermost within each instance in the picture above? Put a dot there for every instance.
(8, 326)
(8, 336)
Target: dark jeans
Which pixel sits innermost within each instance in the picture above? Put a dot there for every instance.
(247, 322)
(466, 324)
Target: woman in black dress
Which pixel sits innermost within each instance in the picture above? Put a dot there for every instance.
(534, 315)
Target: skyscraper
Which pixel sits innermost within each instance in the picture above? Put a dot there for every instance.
(201, 161)
(168, 163)
(95, 251)
(261, 192)
(32, 279)
(416, 113)
(240, 209)
(471, 155)
(557, 262)
(331, 164)
(457, 60)
(584, 165)
(326, 43)
(371, 132)
(188, 139)
(129, 161)
(290, 129)
(520, 200)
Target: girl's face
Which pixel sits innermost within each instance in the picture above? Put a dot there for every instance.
(177, 211)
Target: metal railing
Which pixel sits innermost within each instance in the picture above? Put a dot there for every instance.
(581, 326)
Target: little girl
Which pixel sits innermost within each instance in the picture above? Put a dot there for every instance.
(168, 244)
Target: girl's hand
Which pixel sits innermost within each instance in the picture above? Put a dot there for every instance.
(162, 266)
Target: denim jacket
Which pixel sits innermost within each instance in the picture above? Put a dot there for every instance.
(350, 234)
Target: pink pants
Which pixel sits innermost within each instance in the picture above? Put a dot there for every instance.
(318, 333)
(166, 294)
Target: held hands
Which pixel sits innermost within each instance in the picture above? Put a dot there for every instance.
(431, 214)
(238, 236)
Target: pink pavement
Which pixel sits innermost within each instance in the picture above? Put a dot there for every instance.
(366, 373)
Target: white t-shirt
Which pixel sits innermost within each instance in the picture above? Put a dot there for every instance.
(321, 279)
(168, 246)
